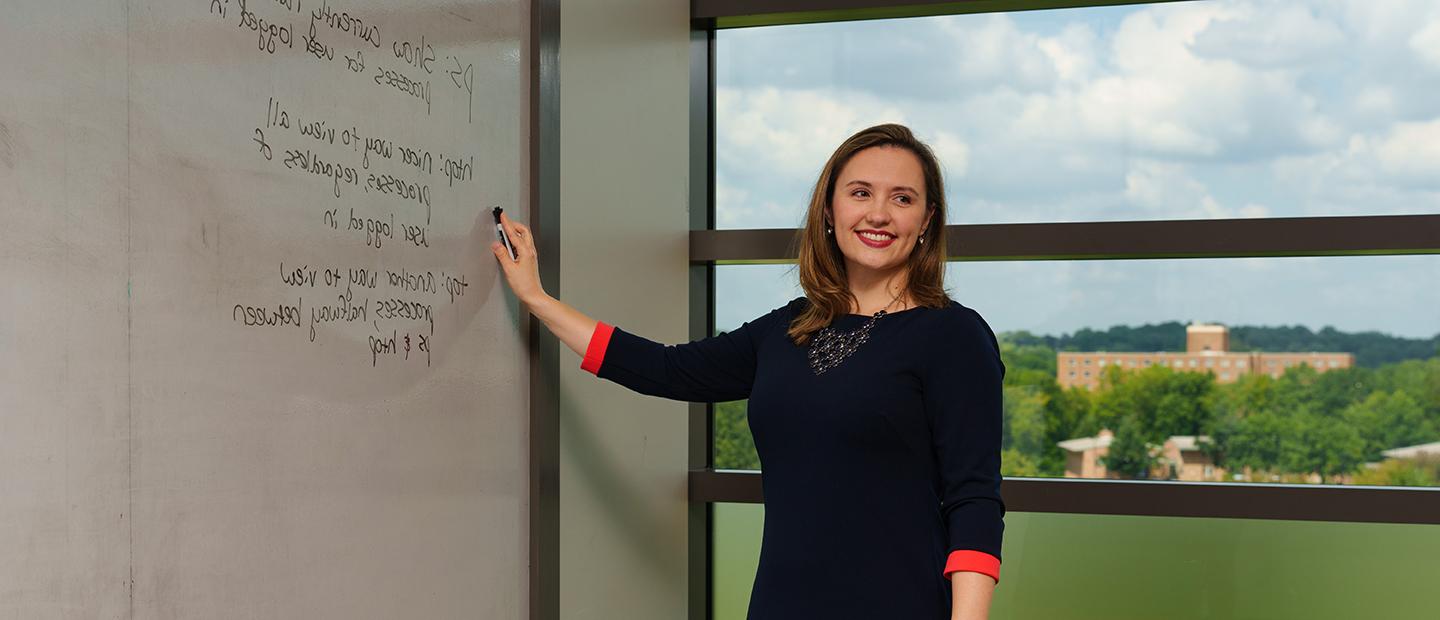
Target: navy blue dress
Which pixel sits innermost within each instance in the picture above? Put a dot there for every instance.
(880, 475)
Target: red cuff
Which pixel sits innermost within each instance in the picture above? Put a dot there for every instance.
(973, 561)
(595, 353)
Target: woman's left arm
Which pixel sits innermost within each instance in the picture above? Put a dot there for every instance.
(963, 387)
(971, 593)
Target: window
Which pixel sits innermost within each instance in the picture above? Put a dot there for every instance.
(1025, 111)
(1296, 126)
(1287, 292)
(1318, 130)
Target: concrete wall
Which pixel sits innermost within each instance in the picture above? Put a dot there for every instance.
(624, 229)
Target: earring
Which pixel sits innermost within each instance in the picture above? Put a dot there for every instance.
(829, 230)
(922, 241)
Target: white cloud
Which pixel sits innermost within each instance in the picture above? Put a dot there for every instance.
(792, 132)
(1253, 210)
(1377, 24)
(1073, 53)
(1269, 35)
(1390, 164)
(1411, 152)
(1169, 191)
(1163, 99)
(1375, 100)
(1166, 189)
(953, 153)
(989, 49)
(1426, 44)
(928, 58)
(738, 208)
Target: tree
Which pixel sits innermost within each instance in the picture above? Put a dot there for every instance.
(1014, 463)
(1421, 472)
(1418, 378)
(1334, 390)
(734, 447)
(1184, 407)
(1024, 421)
(1294, 389)
(1257, 441)
(1068, 414)
(1389, 420)
(1325, 445)
(1163, 401)
(1026, 364)
(1247, 396)
(1129, 454)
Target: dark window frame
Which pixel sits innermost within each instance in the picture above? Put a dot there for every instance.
(1224, 238)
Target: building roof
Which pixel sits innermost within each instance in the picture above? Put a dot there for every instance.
(1410, 452)
(1189, 442)
(1081, 444)
(1086, 443)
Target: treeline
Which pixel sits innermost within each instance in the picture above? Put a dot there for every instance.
(1304, 422)
(1371, 349)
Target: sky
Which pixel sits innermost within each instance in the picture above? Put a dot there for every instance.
(1186, 110)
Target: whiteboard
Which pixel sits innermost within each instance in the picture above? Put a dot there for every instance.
(256, 358)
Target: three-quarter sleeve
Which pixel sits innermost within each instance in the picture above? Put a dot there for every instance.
(963, 403)
(716, 369)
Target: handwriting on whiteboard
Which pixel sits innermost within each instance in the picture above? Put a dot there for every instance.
(326, 34)
(368, 189)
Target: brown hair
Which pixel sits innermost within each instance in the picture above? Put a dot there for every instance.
(822, 265)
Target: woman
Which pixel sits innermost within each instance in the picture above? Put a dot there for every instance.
(875, 399)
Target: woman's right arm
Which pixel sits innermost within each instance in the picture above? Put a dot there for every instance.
(568, 324)
(715, 369)
(523, 275)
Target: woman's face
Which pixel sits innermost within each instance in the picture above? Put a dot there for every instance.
(879, 208)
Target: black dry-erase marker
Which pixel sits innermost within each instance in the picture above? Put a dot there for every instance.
(500, 232)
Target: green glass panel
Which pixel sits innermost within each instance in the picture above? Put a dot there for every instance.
(1080, 567)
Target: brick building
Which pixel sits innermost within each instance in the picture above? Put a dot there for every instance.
(1207, 348)
(1180, 458)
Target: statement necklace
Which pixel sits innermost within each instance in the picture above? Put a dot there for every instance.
(831, 346)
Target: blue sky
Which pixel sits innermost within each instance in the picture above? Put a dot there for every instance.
(1183, 110)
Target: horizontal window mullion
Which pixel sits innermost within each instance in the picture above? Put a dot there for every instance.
(1225, 238)
(1292, 502)
(751, 13)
